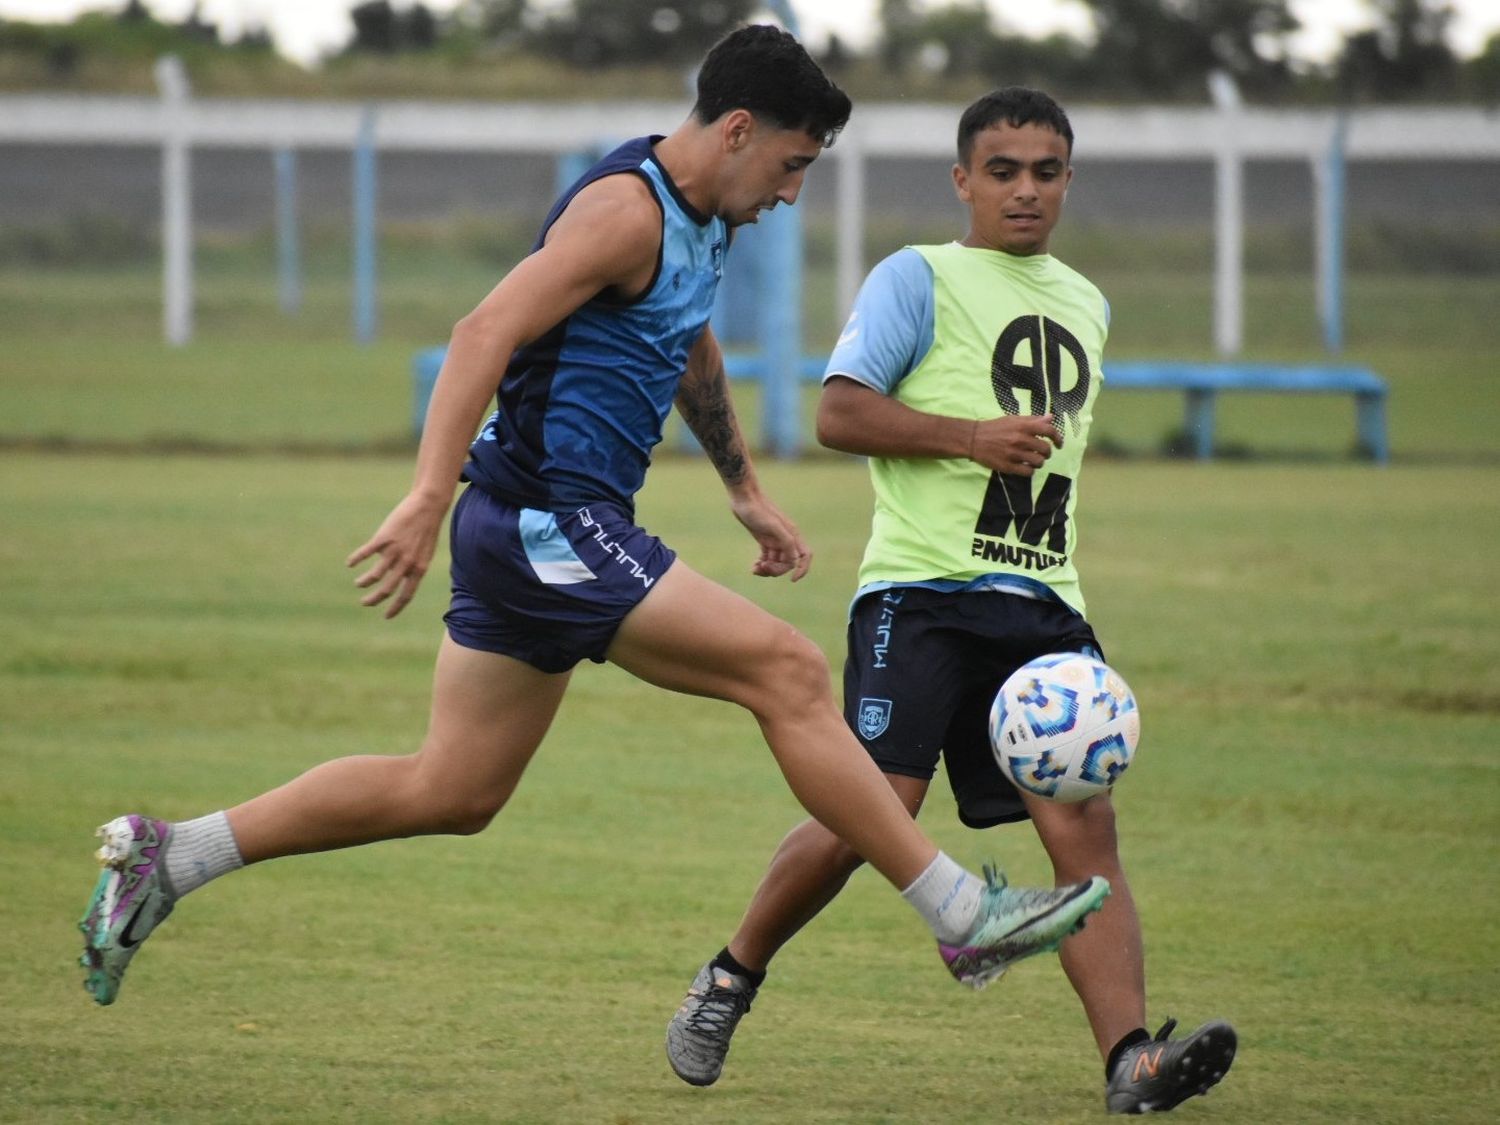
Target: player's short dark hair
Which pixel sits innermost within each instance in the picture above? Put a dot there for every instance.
(1014, 105)
(765, 70)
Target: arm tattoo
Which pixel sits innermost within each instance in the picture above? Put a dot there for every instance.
(706, 408)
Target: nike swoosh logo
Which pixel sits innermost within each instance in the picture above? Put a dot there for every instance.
(847, 336)
(127, 940)
(1048, 913)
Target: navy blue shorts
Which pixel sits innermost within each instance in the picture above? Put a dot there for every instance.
(548, 589)
(923, 668)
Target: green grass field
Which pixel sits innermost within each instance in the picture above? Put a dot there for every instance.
(1313, 824)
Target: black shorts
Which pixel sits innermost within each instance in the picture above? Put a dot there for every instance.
(923, 668)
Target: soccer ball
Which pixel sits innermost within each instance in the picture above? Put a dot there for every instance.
(1064, 727)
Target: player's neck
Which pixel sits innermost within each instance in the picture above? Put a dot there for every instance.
(975, 242)
(687, 156)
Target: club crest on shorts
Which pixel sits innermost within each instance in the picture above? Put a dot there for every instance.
(874, 717)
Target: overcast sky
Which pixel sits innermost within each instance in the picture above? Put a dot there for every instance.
(303, 29)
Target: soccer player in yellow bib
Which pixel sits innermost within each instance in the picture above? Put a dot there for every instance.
(967, 374)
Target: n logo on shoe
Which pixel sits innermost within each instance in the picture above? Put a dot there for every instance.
(1150, 1063)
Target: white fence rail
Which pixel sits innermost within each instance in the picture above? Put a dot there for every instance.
(1145, 132)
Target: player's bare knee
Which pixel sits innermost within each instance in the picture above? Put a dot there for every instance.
(819, 849)
(450, 806)
(468, 814)
(1097, 820)
(792, 677)
(844, 859)
(1080, 838)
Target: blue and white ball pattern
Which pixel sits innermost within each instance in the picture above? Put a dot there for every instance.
(1065, 727)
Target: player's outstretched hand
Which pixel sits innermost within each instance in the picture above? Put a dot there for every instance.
(404, 544)
(782, 549)
(1017, 445)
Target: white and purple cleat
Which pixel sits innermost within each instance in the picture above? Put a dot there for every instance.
(1019, 922)
(130, 900)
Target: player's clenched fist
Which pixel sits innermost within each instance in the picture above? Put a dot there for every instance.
(1018, 445)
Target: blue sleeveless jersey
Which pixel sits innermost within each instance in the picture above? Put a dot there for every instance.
(581, 407)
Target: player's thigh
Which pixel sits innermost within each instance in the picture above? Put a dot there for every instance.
(489, 714)
(692, 635)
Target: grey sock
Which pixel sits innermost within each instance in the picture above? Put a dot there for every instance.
(200, 850)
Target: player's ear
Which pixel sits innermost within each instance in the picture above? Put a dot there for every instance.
(737, 127)
(961, 183)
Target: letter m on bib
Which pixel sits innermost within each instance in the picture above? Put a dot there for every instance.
(1009, 500)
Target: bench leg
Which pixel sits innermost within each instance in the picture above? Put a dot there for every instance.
(1370, 419)
(1199, 422)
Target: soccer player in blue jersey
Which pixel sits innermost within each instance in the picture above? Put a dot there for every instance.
(586, 344)
(967, 373)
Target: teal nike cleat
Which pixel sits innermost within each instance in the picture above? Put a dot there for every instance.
(130, 900)
(1015, 923)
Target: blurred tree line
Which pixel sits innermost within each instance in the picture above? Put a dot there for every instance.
(1140, 50)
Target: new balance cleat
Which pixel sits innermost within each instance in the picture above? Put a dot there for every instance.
(130, 900)
(1154, 1076)
(1019, 922)
(698, 1035)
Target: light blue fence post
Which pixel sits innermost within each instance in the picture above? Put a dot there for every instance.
(364, 228)
(425, 366)
(781, 331)
(288, 252)
(781, 310)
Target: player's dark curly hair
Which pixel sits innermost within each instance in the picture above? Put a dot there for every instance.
(765, 70)
(1014, 105)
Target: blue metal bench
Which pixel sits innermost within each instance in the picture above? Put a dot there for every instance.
(1203, 382)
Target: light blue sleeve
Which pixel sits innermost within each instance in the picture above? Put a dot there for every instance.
(890, 330)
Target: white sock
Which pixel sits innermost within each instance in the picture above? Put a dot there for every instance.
(946, 896)
(201, 850)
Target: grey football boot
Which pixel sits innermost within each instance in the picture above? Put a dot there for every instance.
(698, 1035)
